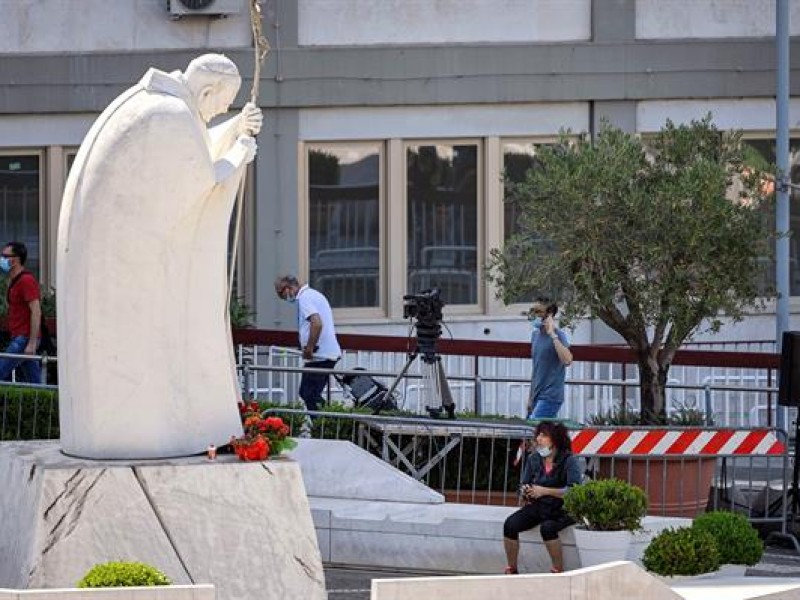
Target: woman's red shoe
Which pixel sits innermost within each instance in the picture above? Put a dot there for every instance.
(509, 570)
(556, 570)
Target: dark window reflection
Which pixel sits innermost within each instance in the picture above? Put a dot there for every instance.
(518, 158)
(765, 151)
(19, 204)
(344, 224)
(442, 186)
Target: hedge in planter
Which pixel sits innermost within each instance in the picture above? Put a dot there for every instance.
(682, 551)
(607, 505)
(123, 574)
(737, 541)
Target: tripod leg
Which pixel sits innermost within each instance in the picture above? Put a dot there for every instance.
(444, 391)
(400, 375)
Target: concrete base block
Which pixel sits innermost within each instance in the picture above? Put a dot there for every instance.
(246, 528)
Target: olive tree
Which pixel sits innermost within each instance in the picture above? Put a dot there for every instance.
(656, 237)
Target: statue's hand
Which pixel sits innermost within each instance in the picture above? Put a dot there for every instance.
(249, 144)
(250, 120)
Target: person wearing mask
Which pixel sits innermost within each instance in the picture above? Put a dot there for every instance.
(551, 356)
(24, 314)
(548, 472)
(317, 335)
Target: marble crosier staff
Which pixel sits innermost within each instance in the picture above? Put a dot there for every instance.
(146, 364)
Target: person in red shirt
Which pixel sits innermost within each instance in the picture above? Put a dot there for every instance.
(24, 314)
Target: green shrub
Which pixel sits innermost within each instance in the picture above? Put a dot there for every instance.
(607, 505)
(683, 551)
(737, 540)
(123, 574)
(28, 413)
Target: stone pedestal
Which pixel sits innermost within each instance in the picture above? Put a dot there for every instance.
(244, 527)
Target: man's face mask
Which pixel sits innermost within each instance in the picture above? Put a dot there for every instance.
(5, 264)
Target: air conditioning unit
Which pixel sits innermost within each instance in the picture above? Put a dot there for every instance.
(213, 8)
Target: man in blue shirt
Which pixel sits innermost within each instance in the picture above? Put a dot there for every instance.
(551, 356)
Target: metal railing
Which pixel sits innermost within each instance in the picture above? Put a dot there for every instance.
(730, 399)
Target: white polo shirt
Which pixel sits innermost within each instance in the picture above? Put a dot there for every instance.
(310, 302)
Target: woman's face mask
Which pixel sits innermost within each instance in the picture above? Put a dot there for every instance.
(544, 451)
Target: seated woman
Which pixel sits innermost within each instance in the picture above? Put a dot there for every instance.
(549, 470)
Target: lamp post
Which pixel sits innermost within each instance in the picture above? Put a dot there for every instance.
(782, 188)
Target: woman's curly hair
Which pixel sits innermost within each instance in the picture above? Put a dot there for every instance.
(556, 432)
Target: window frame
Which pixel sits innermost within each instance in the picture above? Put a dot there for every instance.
(354, 313)
(42, 225)
(515, 309)
(479, 307)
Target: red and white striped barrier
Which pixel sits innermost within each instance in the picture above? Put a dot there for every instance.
(746, 442)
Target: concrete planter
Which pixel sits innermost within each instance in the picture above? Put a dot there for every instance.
(599, 547)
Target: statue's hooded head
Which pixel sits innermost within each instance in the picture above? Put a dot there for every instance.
(213, 80)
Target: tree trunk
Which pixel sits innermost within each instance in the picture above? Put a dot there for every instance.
(652, 387)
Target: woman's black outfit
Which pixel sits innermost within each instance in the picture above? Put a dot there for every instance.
(547, 511)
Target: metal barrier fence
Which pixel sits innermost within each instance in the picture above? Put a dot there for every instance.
(685, 471)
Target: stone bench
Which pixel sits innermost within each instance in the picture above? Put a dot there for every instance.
(367, 513)
(461, 538)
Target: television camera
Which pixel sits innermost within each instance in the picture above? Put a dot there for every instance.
(426, 307)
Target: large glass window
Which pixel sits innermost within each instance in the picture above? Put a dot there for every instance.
(518, 158)
(19, 203)
(442, 228)
(344, 192)
(764, 157)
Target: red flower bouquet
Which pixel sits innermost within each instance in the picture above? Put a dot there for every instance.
(263, 437)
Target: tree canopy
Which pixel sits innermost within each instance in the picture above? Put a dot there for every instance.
(653, 236)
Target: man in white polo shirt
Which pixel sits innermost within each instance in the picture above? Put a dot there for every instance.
(317, 335)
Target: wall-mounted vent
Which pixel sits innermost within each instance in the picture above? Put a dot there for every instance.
(212, 8)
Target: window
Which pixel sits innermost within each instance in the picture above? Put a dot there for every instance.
(20, 194)
(344, 222)
(765, 151)
(518, 158)
(442, 220)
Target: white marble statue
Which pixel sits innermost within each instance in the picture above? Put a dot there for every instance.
(146, 366)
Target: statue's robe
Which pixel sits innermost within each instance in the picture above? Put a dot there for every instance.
(145, 360)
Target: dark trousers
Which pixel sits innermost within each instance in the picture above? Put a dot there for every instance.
(313, 384)
(547, 513)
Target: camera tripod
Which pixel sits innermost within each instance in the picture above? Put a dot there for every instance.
(434, 381)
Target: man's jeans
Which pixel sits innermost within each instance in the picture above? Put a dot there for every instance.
(545, 409)
(30, 369)
(312, 384)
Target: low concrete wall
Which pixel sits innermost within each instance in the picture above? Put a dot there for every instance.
(167, 592)
(460, 538)
(613, 581)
